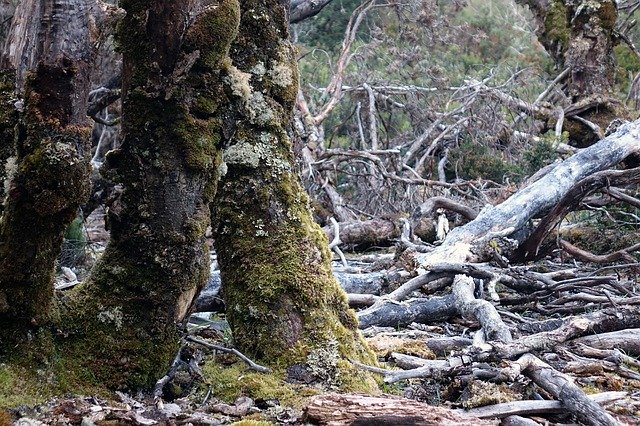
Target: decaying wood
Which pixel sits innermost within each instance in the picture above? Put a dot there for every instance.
(492, 325)
(508, 219)
(532, 407)
(562, 387)
(627, 340)
(570, 201)
(585, 256)
(389, 313)
(336, 410)
(599, 322)
(368, 232)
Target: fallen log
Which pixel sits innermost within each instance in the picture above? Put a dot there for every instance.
(366, 233)
(626, 340)
(369, 285)
(528, 408)
(607, 320)
(498, 230)
(468, 243)
(339, 409)
(389, 313)
(565, 390)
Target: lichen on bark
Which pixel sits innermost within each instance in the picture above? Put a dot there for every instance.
(283, 303)
(122, 323)
(47, 186)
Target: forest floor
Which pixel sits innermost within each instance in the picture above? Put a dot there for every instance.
(570, 323)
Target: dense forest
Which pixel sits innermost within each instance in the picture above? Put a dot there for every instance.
(339, 212)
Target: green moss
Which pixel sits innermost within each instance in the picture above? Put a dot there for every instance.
(228, 382)
(27, 382)
(20, 386)
(556, 23)
(213, 31)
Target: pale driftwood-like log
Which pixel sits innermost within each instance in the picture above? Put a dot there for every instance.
(337, 410)
(570, 201)
(367, 286)
(613, 319)
(509, 218)
(493, 327)
(388, 313)
(626, 340)
(528, 408)
(564, 389)
(369, 283)
(360, 300)
(368, 232)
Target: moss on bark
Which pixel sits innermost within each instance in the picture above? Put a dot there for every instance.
(122, 324)
(48, 185)
(283, 303)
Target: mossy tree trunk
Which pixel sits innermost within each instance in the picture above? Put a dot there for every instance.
(580, 35)
(122, 323)
(283, 303)
(45, 154)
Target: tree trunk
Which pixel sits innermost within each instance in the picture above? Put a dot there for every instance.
(122, 322)
(580, 35)
(283, 303)
(48, 164)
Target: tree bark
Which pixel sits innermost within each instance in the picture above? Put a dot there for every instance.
(49, 161)
(122, 322)
(580, 35)
(283, 303)
(336, 410)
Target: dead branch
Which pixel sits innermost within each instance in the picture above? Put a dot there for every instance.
(252, 365)
(468, 306)
(564, 389)
(570, 201)
(529, 408)
(586, 256)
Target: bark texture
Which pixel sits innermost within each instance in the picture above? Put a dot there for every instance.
(579, 34)
(282, 301)
(122, 323)
(46, 157)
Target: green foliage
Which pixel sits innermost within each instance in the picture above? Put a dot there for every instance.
(326, 30)
(74, 244)
(628, 66)
(473, 161)
(542, 152)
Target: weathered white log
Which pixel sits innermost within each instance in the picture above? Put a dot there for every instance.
(511, 216)
(603, 321)
(493, 327)
(564, 389)
(528, 408)
(627, 340)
